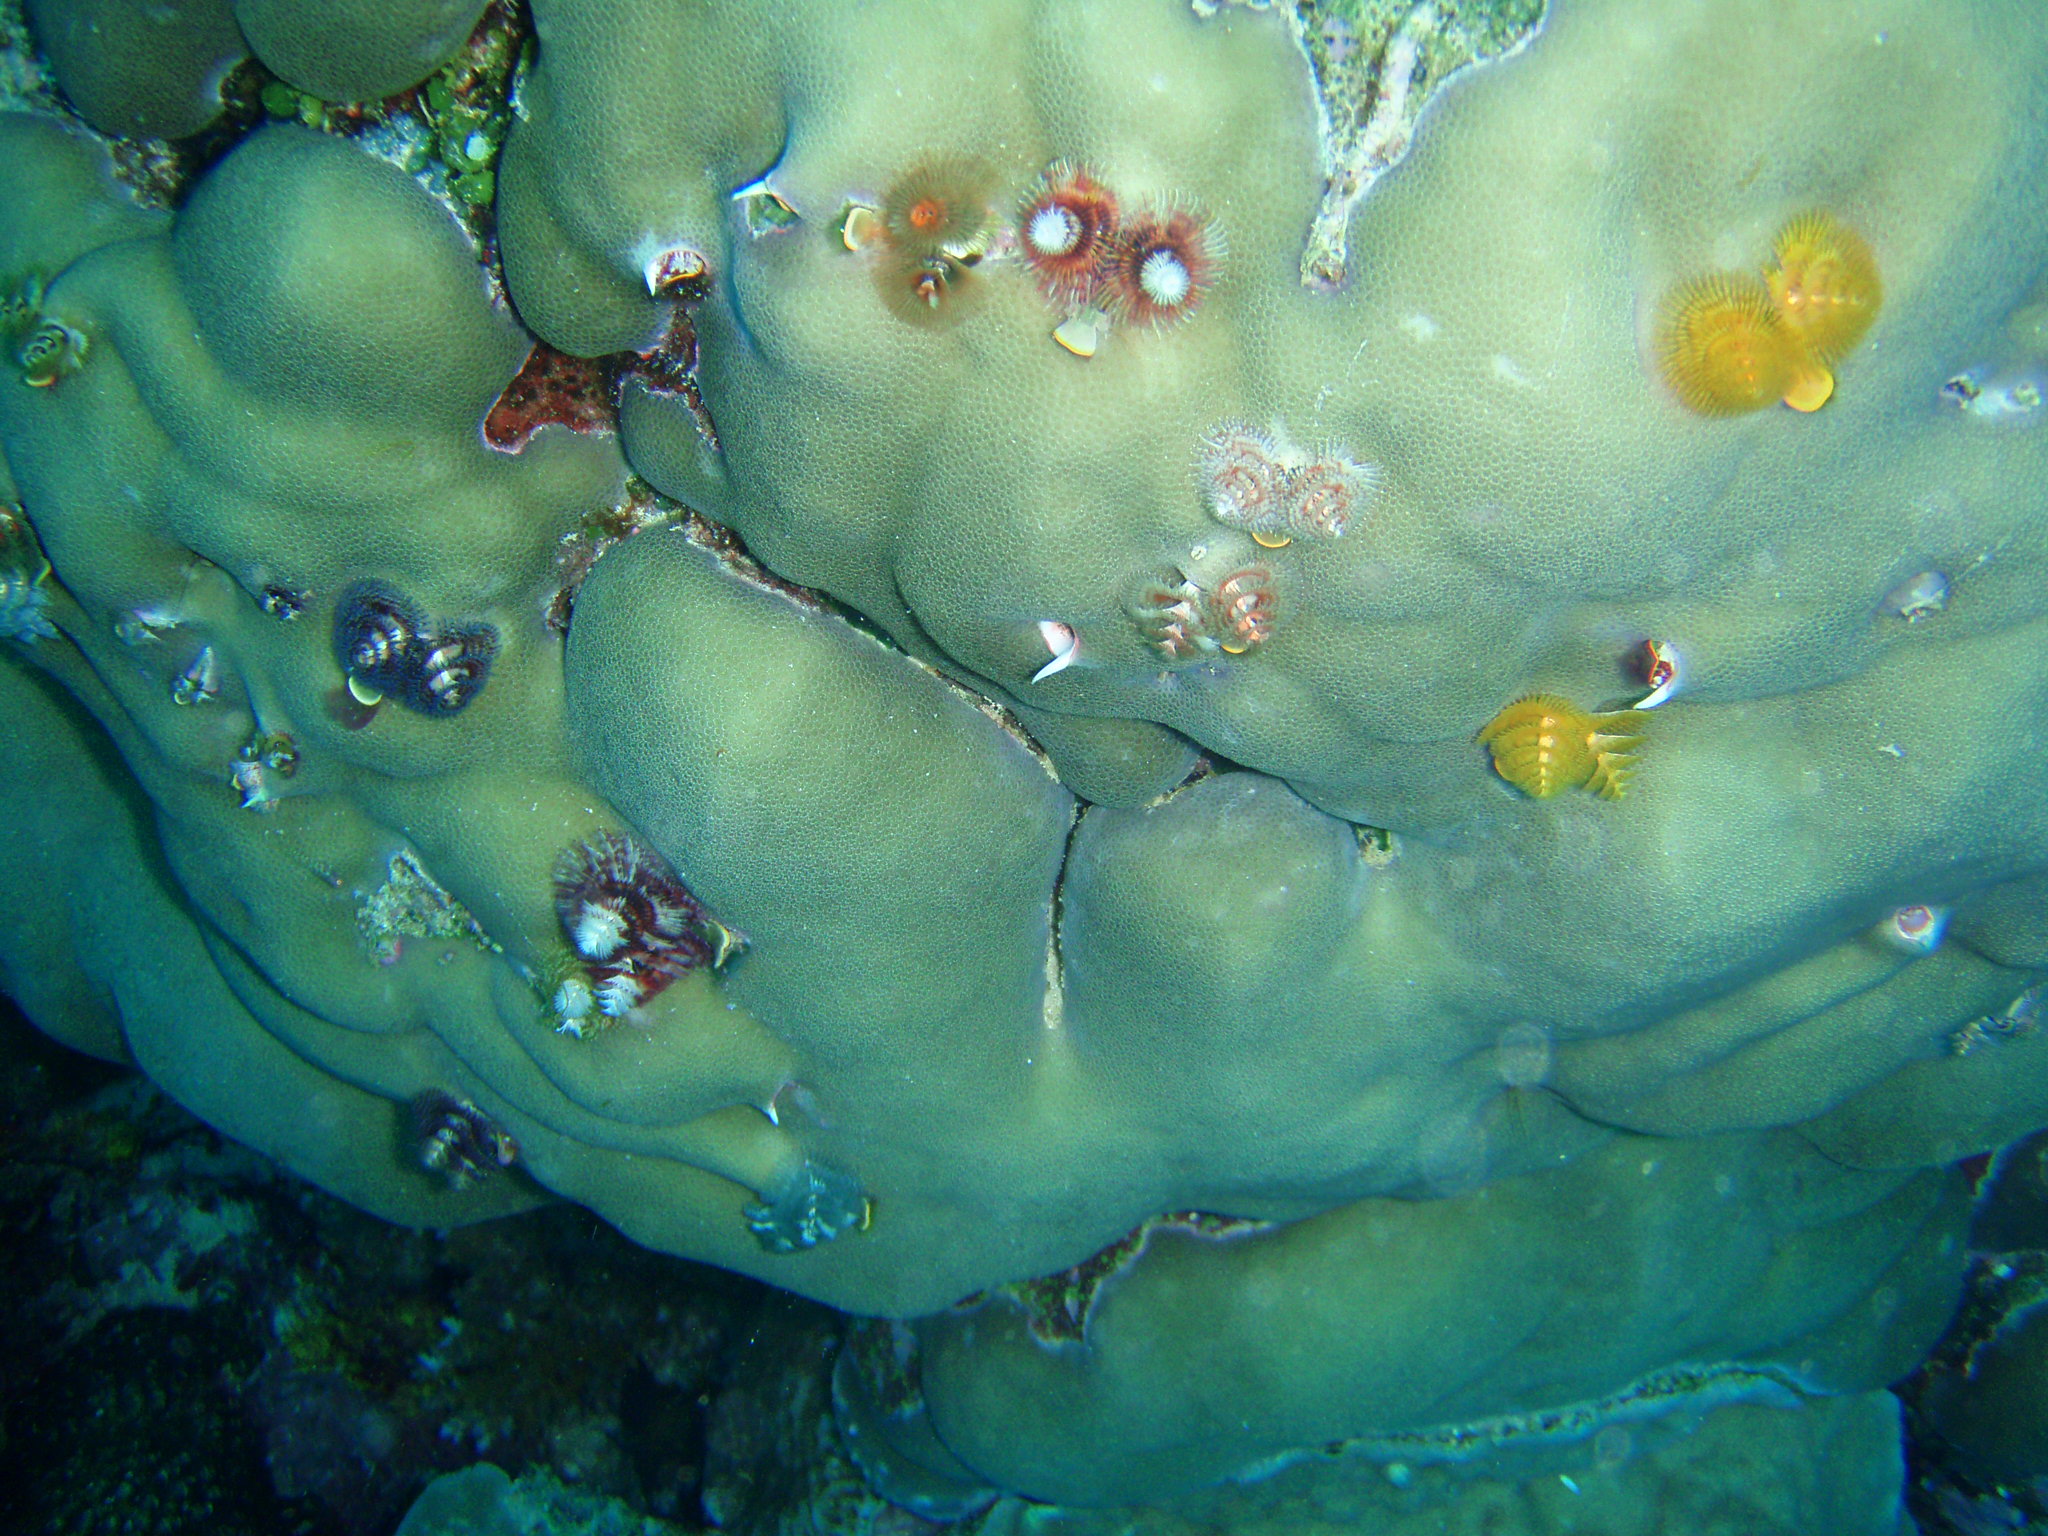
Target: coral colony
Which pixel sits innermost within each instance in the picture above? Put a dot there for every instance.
(1336, 718)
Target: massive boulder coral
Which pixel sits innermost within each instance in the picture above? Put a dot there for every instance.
(1015, 812)
(159, 69)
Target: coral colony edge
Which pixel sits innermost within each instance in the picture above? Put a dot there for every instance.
(1308, 741)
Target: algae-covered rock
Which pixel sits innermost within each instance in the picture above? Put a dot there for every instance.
(481, 1500)
(862, 677)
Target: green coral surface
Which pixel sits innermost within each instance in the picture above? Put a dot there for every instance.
(1570, 1110)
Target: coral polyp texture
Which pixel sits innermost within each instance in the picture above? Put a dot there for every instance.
(874, 480)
